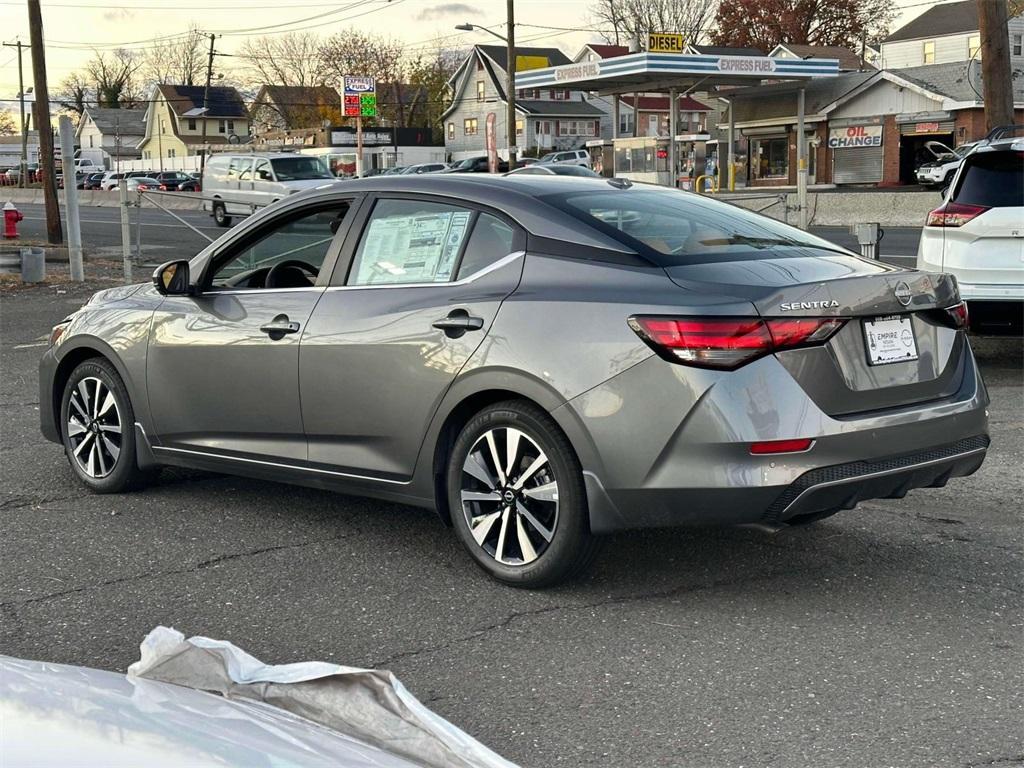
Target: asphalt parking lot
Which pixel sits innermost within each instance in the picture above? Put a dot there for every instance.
(890, 635)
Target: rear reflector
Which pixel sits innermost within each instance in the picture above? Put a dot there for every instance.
(728, 342)
(954, 214)
(781, 446)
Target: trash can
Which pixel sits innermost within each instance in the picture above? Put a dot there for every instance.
(33, 265)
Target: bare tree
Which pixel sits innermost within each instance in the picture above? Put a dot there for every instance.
(289, 59)
(428, 73)
(628, 19)
(8, 125)
(74, 94)
(181, 61)
(113, 76)
(357, 53)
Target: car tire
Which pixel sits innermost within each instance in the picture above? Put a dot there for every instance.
(529, 528)
(220, 215)
(98, 429)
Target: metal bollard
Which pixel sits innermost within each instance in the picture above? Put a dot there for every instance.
(33, 265)
(868, 237)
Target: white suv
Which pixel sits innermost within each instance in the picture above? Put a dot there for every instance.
(977, 235)
(939, 173)
(570, 157)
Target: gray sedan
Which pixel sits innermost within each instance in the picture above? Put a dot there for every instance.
(542, 360)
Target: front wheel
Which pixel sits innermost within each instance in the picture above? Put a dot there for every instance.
(98, 429)
(220, 215)
(516, 495)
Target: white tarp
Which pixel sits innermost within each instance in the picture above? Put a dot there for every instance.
(369, 705)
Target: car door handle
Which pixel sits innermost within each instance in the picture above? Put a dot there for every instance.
(458, 322)
(279, 327)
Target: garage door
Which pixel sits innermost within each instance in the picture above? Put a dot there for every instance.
(857, 165)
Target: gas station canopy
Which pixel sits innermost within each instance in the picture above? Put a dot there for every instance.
(647, 71)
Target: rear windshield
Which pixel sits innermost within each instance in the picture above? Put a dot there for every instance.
(299, 168)
(676, 228)
(993, 179)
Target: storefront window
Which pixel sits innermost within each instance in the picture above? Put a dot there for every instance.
(769, 158)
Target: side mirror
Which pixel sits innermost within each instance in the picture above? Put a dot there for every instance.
(172, 279)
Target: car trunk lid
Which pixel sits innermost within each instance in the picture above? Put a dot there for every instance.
(863, 367)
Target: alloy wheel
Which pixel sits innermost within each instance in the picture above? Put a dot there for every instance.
(509, 496)
(94, 427)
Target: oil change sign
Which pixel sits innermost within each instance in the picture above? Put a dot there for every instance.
(855, 136)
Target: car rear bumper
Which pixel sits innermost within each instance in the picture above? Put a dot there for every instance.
(658, 454)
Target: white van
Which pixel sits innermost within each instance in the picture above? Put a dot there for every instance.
(238, 185)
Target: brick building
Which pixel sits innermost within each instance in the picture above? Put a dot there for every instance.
(864, 127)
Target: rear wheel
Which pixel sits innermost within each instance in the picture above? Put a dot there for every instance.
(98, 428)
(220, 215)
(516, 495)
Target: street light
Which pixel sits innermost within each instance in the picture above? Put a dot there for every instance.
(510, 70)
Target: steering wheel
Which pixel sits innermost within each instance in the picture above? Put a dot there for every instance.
(289, 274)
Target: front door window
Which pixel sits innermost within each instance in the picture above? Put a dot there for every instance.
(289, 255)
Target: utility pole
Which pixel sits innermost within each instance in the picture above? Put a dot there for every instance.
(23, 170)
(206, 101)
(54, 234)
(510, 54)
(995, 62)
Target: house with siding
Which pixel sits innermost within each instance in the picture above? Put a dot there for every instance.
(109, 136)
(943, 34)
(174, 128)
(546, 119)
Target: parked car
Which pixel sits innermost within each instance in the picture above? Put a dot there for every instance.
(92, 181)
(425, 168)
(32, 172)
(237, 185)
(397, 170)
(547, 169)
(110, 180)
(171, 180)
(475, 165)
(571, 157)
(142, 184)
(85, 165)
(977, 235)
(939, 173)
(539, 363)
(192, 185)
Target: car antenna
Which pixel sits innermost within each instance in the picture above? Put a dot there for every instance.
(620, 183)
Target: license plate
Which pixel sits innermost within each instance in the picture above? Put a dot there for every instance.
(890, 340)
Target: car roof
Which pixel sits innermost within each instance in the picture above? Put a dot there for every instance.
(518, 196)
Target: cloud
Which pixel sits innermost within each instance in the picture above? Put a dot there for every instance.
(447, 9)
(121, 14)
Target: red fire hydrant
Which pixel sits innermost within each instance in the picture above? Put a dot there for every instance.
(11, 218)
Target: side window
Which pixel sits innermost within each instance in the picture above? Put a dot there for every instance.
(302, 239)
(490, 241)
(262, 171)
(235, 168)
(407, 241)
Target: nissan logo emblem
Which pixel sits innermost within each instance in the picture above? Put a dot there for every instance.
(903, 293)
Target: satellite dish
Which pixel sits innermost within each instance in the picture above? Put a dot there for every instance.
(233, 138)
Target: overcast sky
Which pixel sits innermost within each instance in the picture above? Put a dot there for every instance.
(72, 26)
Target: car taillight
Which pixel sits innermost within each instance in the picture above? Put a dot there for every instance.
(728, 342)
(958, 313)
(799, 445)
(163, 187)
(954, 214)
